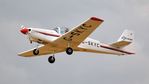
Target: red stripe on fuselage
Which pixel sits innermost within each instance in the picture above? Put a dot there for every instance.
(116, 49)
(48, 34)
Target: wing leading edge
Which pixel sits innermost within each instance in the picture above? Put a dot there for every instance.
(43, 50)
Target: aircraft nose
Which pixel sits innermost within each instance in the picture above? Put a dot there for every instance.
(24, 30)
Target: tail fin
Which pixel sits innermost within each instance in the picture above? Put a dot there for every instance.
(127, 36)
(125, 39)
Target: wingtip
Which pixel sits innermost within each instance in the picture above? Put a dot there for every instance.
(19, 54)
(96, 19)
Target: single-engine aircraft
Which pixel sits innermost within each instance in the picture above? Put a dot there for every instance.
(60, 39)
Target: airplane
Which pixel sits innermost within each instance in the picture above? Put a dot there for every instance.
(61, 39)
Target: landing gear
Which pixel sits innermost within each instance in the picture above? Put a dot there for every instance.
(69, 50)
(51, 59)
(36, 51)
(31, 41)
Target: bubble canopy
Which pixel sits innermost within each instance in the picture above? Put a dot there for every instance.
(61, 30)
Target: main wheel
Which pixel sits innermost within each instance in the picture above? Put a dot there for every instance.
(69, 50)
(35, 51)
(51, 59)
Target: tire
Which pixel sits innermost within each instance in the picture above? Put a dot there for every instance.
(51, 59)
(69, 50)
(35, 51)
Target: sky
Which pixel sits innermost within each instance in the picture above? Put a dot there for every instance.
(79, 68)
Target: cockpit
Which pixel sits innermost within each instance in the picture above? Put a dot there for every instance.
(61, 30)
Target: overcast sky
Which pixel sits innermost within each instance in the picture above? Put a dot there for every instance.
(79, 68)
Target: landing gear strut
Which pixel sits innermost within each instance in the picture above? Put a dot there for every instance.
(69, 50)
(51, 59)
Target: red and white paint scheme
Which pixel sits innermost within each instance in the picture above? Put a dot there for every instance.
(61, 39)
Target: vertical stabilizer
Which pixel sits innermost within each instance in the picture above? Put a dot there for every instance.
(127, 36)
(125, 39)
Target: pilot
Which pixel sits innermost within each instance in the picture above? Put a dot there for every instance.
(66, 30)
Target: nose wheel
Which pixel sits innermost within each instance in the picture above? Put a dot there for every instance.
(51, 59)
(69, 50)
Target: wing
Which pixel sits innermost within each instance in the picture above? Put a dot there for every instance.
(43, 50)
(79, 33)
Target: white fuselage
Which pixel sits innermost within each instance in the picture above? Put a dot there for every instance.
(44, 36)
(38, 35)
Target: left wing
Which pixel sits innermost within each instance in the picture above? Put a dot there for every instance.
(79, 33)
(43, 50)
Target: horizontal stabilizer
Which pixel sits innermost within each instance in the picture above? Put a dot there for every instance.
(120, 44)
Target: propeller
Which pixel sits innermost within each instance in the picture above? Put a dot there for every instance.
(22, 26)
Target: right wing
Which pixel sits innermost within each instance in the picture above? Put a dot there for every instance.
(43, 50)
(79, 33)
